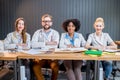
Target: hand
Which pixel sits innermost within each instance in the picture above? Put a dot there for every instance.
(22, 45)
(51, 43)
(101, 48)
(70, 46)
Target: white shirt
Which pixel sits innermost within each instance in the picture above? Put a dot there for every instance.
(104, 40)
(40, 37)
(78, 40)
(14, 38)
(1, 45)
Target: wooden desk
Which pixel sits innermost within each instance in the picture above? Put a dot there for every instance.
(9, 56)
(71, 56)
(111, 56)
(68, 56)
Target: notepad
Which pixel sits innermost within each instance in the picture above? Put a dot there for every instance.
(32, 51)
(111, 50)
(70, 49)
(117, 53)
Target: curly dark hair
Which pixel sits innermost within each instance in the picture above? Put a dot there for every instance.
(76, 23)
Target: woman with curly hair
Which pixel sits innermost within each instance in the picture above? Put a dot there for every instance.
(72, 39)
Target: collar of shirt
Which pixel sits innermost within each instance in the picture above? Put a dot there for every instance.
(71, 39)
(74, 36)
(99, 40)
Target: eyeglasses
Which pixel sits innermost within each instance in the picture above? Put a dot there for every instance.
(46, 21)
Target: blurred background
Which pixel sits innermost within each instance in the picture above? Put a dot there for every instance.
(84, 10)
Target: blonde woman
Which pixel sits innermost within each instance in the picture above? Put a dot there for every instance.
(102, 41)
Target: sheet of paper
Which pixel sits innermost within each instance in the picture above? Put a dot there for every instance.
(70, 49)
(34, 51)
(117, 53)
(111, 50)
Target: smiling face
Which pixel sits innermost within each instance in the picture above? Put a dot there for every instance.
(20, 25)
(98, 27)
(46, 22)
(71, 28)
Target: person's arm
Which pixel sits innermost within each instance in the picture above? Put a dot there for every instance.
(51, 43)
(83, 42)
(62, 41)
(89, 42)
(8, 42)
(111, 43)
(88, 46)
(36, 43)
(112, 46)
(54, 41)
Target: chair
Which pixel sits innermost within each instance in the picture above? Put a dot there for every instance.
(115, 68)
(1, 48)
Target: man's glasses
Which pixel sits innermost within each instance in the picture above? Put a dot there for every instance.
(46, 21)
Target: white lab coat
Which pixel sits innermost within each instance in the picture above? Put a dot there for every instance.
(40, 37)
(79, 40)
(103, 41)
(14, 38)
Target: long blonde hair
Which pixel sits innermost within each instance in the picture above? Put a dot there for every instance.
(23, 33)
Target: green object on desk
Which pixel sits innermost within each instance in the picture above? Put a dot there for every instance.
(94, 52)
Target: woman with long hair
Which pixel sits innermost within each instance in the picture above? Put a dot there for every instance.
(19, 38)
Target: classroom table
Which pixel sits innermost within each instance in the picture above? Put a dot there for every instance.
(72, 55)
(10, 56)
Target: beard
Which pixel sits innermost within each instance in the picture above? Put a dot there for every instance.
(46, 28)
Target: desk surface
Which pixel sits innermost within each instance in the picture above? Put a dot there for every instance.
(8, 56)
(69, 56)
(59, 56)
